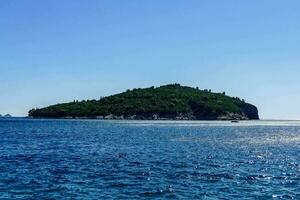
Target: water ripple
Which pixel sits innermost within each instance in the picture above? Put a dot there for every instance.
(75, 159)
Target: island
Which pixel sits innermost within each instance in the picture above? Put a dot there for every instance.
(168, 102)
(5, 116)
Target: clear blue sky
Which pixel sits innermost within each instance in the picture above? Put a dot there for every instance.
(60, 50)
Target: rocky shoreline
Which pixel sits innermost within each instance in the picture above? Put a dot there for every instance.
(227, 117)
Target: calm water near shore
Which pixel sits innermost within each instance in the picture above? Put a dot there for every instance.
(90, 159)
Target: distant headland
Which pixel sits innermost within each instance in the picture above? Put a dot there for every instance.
(172, 102)
(5, 116)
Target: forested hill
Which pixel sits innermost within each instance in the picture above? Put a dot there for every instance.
(166, 102)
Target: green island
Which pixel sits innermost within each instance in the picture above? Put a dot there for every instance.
(173, 102)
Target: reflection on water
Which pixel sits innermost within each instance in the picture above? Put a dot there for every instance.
(77, 159)
(209, 123)
(259, 140)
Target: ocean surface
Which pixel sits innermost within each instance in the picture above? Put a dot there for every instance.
(90, 159)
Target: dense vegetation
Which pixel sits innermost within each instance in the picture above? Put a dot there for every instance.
(166, 102)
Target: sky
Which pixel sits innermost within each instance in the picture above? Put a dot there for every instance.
(57, 51)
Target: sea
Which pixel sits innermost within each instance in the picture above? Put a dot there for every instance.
(94, 159)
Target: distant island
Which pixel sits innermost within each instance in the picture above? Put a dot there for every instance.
(173, 101)
(5, 116)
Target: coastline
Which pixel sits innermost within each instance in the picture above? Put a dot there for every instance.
(189, 116)
(144, 119)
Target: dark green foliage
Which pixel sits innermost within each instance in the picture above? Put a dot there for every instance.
(169, 101)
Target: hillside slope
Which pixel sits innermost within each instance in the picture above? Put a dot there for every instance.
(166, 102)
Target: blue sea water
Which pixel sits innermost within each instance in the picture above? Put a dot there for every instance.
(90, 159)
